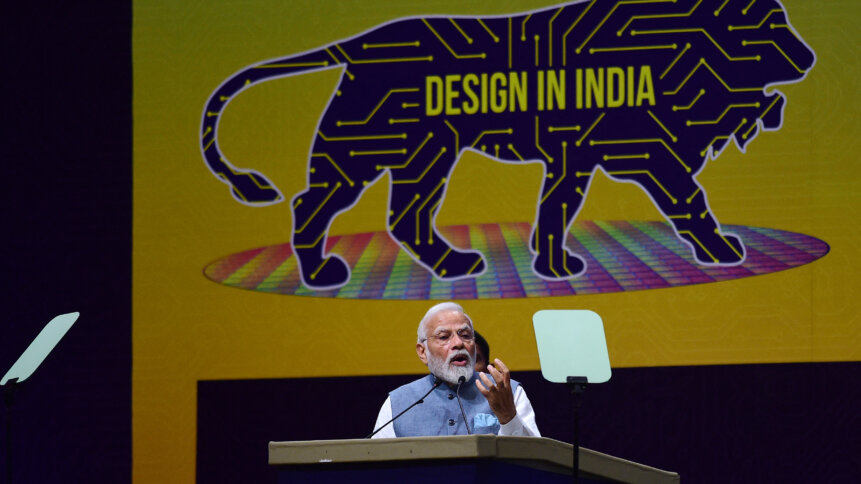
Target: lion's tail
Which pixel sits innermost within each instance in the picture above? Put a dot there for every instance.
(248, 186)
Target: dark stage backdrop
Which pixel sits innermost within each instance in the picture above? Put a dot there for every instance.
(712, 424)
(65, 124)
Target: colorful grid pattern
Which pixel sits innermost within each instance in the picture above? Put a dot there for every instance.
(620, 256)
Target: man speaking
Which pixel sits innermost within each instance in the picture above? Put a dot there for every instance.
(452, 400)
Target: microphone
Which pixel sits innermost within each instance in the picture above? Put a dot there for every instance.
(436, 382)
(459, 383)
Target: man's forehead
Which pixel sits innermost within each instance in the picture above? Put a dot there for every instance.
(449, 320)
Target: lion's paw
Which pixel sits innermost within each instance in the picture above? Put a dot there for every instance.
(460, 264)
(331, 272)
(558, 265)
(719, 249)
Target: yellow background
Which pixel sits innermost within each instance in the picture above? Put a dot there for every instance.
(186, 328)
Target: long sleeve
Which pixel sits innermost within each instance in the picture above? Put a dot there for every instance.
(384, 416)
(523, 424)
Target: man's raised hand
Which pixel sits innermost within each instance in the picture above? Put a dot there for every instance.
(499, 394)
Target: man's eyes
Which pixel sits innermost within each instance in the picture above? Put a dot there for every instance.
(465, 335)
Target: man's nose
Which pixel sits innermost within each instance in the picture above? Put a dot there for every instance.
(457, 341)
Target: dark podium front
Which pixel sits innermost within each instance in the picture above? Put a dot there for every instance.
(471, 458)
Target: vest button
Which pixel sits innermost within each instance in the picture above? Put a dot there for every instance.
(451, 421)
(451, 396)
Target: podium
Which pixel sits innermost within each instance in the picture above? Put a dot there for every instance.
(470, 458)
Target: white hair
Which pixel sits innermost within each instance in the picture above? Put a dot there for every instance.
(444, 306)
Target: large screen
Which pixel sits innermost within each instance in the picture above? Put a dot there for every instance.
(310, 177)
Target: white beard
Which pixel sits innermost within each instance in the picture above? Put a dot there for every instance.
(444, 370)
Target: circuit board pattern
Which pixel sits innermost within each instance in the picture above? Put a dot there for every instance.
(620, 255)
(645, 90)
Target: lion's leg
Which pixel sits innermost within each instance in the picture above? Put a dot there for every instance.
(417, 193)
(696, 224)
(561, 197)
(330, 191)
(683, 202)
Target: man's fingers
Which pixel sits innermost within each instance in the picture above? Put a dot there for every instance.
(506, 373)
(485, 379)
(499, 377)
(481, 388)
(502, 366)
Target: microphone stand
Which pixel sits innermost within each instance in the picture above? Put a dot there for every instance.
(437, 382)
(457, 392)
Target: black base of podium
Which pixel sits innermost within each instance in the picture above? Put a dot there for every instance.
(482, 471)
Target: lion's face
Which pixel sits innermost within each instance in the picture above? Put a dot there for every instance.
(782, 55)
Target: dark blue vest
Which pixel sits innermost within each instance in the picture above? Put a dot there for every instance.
(440, 414)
